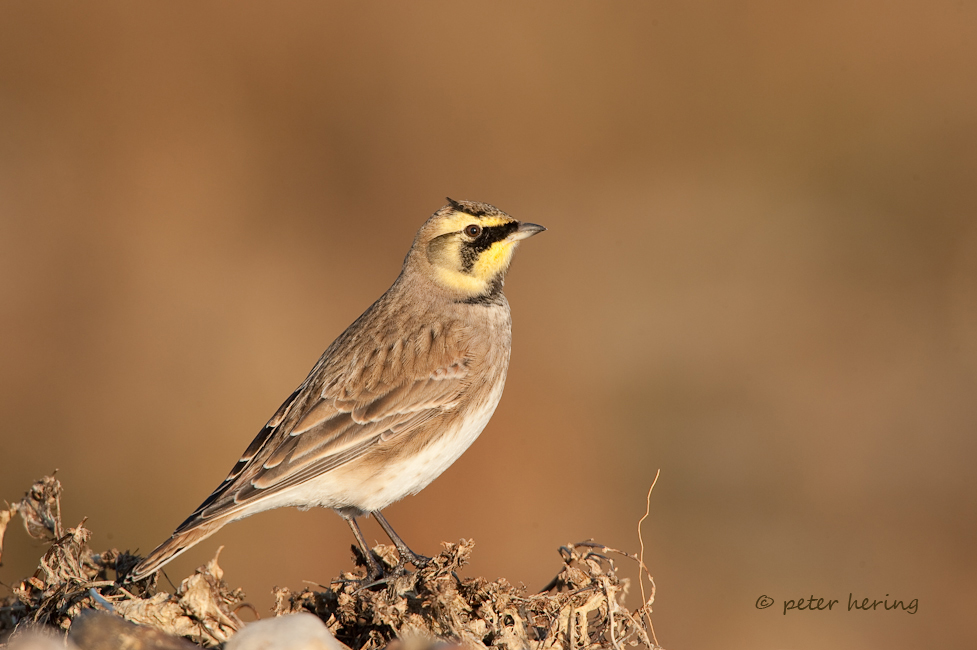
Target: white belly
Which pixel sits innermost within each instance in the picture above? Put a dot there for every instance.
(411, 475)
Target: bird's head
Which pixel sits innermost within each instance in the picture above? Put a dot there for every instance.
(468, 247)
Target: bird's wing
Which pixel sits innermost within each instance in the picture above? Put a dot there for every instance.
(339, 413)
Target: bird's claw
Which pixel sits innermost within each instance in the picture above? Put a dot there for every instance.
(408, 556)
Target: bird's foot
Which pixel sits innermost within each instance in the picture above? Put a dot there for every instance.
(367, 583)
(405, 555)
(373, 564)
(392, 573)
(408, 556)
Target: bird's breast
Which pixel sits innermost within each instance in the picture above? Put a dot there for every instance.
(402, 467)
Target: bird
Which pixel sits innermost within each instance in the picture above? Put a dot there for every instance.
(393, 401)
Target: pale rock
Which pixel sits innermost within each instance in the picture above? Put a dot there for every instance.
(301, 631)
(40, 640)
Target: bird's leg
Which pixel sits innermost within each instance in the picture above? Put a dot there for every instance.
(406, 555)
(374, 572)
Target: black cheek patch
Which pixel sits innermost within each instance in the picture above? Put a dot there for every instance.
(491, 234)
(468, 257)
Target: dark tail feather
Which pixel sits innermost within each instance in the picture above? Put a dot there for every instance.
(178, 543)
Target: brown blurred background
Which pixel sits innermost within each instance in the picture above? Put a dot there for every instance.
(760, 277)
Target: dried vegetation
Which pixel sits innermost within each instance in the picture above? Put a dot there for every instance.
(582, 607)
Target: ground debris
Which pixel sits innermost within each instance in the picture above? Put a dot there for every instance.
(582, 607)
(71, 578)
(40, 510)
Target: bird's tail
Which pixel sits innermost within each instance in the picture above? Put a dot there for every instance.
(179, 542)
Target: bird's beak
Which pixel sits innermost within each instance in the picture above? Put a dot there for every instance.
(525, 231)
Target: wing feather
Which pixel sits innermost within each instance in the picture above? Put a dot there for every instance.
(339, 413)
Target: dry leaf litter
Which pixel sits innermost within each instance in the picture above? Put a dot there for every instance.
(581, 608)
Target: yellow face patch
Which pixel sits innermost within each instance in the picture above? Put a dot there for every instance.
(460, 281)
(450, 248)
(493, 260)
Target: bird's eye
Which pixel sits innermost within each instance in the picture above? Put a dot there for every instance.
(473, 231)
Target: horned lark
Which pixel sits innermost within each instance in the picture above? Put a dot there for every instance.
(396, 399)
